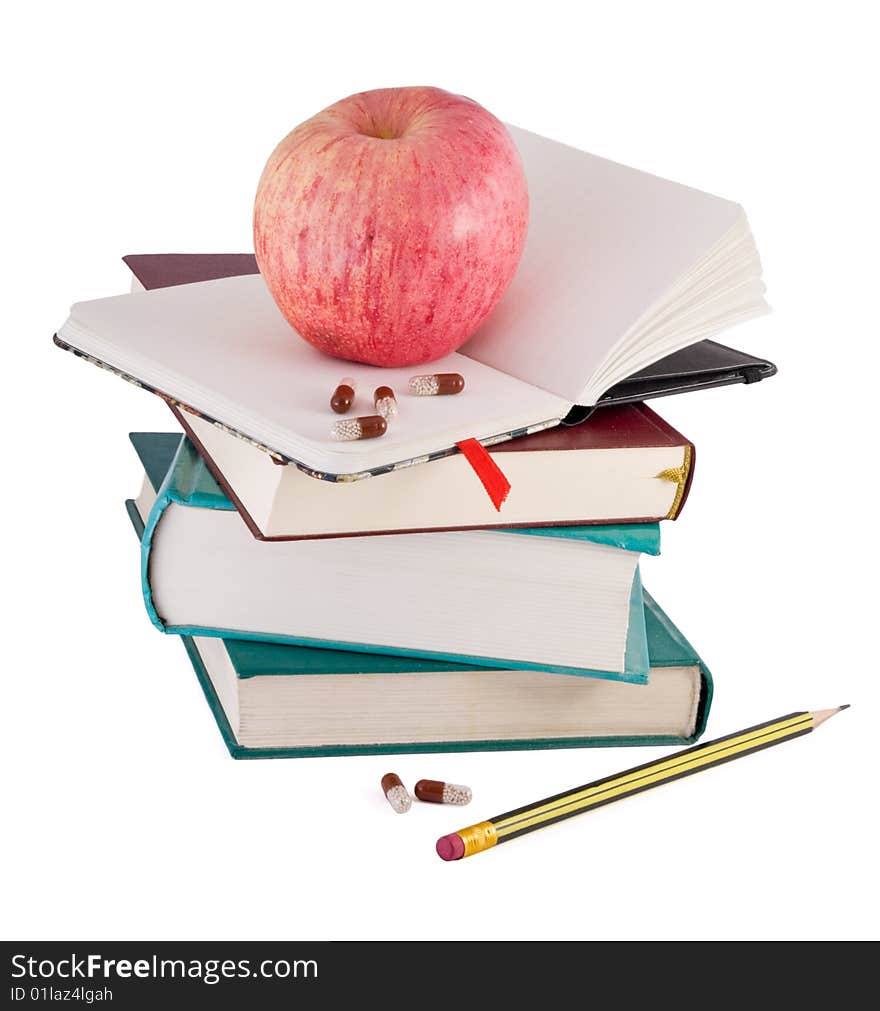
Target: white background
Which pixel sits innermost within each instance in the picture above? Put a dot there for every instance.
(143, 128)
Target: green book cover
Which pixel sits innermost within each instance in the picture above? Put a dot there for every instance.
(672, 649)
(187, 481)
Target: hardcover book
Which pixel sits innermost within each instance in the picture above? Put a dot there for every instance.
(626, 465)
(620, 270)
(563, 599)
(284, 701)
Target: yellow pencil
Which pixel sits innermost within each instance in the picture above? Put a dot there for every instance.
(513, 824)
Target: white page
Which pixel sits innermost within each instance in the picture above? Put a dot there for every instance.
(224, 348)
(608, 249)
(605, 243)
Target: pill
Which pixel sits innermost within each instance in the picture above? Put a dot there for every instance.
(343, 395)
(350, 429)
(435, 792)
(396, 793)
(385, 402)
(442, 384)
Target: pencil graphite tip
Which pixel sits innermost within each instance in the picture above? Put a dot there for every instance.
(821, 715)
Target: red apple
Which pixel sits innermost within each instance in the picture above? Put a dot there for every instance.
(388, 226)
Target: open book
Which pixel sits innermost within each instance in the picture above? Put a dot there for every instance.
(620, 269)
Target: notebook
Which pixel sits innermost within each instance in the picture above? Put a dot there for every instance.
(567, 600)
(701, 366)
(620, 269)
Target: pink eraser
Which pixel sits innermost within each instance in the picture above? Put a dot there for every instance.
(450, 847)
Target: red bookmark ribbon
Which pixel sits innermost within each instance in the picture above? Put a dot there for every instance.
(487, 470)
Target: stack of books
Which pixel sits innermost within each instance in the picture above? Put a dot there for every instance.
(371, 596)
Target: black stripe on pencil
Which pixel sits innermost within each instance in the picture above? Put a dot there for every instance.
(641, 789)
(640, 768)
(600, 792)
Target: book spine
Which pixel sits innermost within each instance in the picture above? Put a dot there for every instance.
(181, 485)
(163, 500)
(683, 477)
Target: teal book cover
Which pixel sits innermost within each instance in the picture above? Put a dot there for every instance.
(668, 647)
(262, 661)
(178, 474)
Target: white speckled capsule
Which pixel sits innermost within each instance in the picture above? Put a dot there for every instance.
(435, 792)
(385, 402)
(349, 429)
(441, 384)
(396, 793)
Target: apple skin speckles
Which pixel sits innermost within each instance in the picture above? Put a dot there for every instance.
(388, 226)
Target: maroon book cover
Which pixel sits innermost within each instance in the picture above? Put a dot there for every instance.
(165, 270)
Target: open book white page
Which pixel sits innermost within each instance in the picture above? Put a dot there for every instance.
(223, 348)
(620, 268)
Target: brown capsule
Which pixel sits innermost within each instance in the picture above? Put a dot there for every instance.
(435, 792)
(385, 402)
(396, 793)
(370, 427)
(441, 384)
(343, 396)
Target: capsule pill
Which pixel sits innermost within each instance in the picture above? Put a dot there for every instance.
(385, 402)
(370, 427)
(396, 793)
(435, 792)
(343, 396)
(441, 384)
